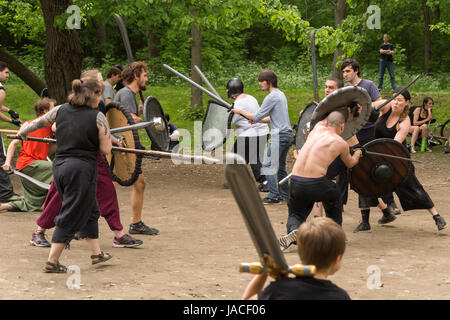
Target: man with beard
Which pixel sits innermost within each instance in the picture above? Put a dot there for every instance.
(135, 78)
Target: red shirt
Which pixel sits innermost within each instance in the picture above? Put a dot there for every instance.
(34, 150)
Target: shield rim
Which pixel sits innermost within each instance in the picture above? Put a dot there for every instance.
(150, 135)
(365, 118)
(137, 145)
(230, 117)
(377, 141)
(299, 119)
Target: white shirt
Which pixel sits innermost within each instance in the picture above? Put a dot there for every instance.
(243, 127)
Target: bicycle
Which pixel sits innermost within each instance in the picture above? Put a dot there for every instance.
(444, 132)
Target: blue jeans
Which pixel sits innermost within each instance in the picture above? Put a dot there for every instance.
(390, 66)
(274, 164)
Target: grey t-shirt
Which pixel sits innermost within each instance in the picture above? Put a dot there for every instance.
(127, 98)
(275, 105)
(108, 93)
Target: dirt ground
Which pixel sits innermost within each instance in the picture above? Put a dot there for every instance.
(203, 239)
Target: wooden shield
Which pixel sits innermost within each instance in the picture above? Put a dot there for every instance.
(376, 175)
(124, 167)
(303, 126)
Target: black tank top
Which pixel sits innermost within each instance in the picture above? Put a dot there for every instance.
(420, 115)
(381, 129)
(77, 132)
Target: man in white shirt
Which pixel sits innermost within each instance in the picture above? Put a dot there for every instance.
(251, 138)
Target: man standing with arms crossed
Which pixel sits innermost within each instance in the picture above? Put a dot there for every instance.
(274, 164)
(386, 61)
(134, 77)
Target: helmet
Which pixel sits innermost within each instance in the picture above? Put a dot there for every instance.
(234, 87)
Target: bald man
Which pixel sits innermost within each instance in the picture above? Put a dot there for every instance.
(309, 182)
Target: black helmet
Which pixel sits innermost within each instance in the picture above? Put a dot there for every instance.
(235, 87)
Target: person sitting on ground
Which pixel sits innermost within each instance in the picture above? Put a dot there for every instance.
(419, 125)
(32, 161)
(322, 244)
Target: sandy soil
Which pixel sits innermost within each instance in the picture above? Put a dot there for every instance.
(203, 239)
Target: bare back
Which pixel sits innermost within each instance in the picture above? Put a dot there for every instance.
(321, 148)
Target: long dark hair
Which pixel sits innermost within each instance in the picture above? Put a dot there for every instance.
(425, 101)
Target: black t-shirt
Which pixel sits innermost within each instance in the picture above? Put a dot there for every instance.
(387, 57)
(302, 288)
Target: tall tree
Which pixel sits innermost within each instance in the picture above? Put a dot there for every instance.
(340, 8)
(427, 37)
(63, 53)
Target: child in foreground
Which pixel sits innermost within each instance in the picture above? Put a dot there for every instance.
(321, 242)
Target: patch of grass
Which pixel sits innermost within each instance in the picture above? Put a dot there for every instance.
(176, 100)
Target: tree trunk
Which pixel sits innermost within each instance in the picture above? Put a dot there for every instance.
(63, 53)
(102, 41)
(339, 15)
(427, 40)
(27, 76)
(152, 39)
(196, 59)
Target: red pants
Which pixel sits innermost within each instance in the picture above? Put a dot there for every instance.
(106, 198)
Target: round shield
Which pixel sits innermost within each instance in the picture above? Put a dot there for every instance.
(216, 126)
(124, 167)
(346, 100)
(303, 126)
(158, 130)
(376, 175)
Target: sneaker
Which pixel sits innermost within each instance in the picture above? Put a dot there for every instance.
(270, 200)
(440, 222)
(413, 150)
(141, 228)
(126, 241)
(38, 239)
(394, 209)
(263, 187)
(363, 227)
(387, 218)
(287, 240)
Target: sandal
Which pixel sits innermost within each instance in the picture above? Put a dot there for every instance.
(102, 257)
(54, 268)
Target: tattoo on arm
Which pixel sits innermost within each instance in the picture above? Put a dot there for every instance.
(47, 119)
(102, 122)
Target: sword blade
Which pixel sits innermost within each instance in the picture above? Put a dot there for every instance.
(314, 67)
(124, 34)
(182, 76)
(205, 80)
(391, 156)
(139, 125)
(33, 180)
(163, 154)
(395, 95)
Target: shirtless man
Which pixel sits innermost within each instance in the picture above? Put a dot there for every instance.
(309, 183)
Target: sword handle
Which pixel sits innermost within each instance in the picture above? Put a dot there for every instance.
(297, 269)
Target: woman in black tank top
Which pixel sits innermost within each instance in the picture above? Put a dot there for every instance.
(394, 123)
(82, 132)
(421, 117)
